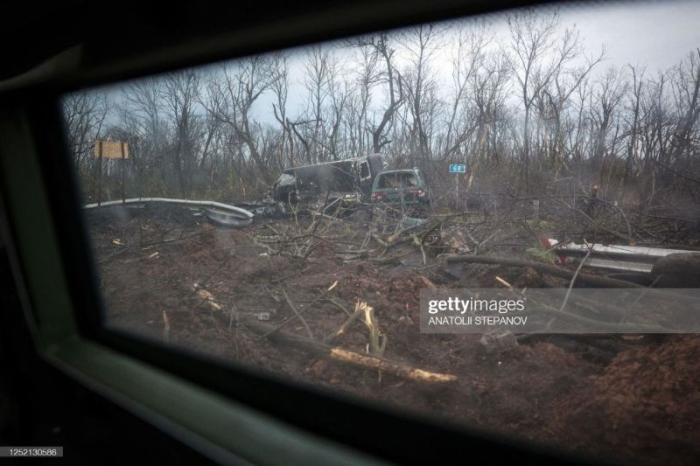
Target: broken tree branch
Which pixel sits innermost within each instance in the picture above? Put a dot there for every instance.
(297, 313)
(573, 280)
(343, 328)
(595, 280)
(352, 358)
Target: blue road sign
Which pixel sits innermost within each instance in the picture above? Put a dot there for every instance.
(458, 168)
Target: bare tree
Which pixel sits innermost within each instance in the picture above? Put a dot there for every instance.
(468, 58)
(84, 115)
(605, 100)
(230, 98)
(539, 57)
(625, 129)
(180, 94)
(280, 88)
(421, 44)
(381, 46)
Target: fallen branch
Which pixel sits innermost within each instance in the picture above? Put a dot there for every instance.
(297, 313)
(206, 298)
(603, 282)
(397, 369)
(321, 297)
(343, 328)
(314, 347)
(166, 327)
(573, 280)
(349, 357)
(610, 326)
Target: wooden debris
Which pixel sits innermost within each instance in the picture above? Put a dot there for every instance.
(343, 328)
(335, 353)
(377, 339)
(166, 327)
(297, 313)
(394, 368)
(503, 282)
(349, 357)
(207, 298)
(595, 280)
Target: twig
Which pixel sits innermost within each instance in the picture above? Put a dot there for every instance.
(343, 328)
(166, 327)
(339, 305)
(573, 279)
(298, 314)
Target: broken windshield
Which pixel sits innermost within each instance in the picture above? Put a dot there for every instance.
(397, 180)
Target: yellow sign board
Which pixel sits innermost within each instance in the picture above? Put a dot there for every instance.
(111, 149)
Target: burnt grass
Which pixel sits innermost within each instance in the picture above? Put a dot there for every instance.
(629, 399)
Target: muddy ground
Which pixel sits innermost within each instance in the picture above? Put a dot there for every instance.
(628, 398)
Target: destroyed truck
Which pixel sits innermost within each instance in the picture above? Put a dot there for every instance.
(328, 184)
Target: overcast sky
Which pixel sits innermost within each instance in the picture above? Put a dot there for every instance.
(655, 34)
(658, 34)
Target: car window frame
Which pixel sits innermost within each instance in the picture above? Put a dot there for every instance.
(55, 271)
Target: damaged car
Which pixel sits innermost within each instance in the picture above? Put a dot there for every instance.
(405, 188)
(329, 184)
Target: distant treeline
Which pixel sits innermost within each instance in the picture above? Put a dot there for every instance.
(529, 114)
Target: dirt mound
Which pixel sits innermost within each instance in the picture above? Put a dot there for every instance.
(646, 400)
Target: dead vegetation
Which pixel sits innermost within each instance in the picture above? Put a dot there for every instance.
(329, 295)
(333, 300)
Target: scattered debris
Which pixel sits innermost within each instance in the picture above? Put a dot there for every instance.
(291, 295)
(166, 327)
(596, 280)
(207, 297)
(498, 341)
(618, 257)
(227, 219)
(377, 339)
(351, 357)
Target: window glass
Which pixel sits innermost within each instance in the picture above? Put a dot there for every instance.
(408, 180)
(547, 289)
(364, 170)
(388, 180)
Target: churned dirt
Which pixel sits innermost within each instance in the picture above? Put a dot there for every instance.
(631, 399)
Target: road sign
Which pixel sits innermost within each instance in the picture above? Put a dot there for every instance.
(111, 149)
(108, 149)
(458, 168)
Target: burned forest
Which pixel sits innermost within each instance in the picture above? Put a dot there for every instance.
(295, 212)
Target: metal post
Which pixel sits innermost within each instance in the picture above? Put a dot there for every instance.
(123, 173)
(456, 190)
(99, 173)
